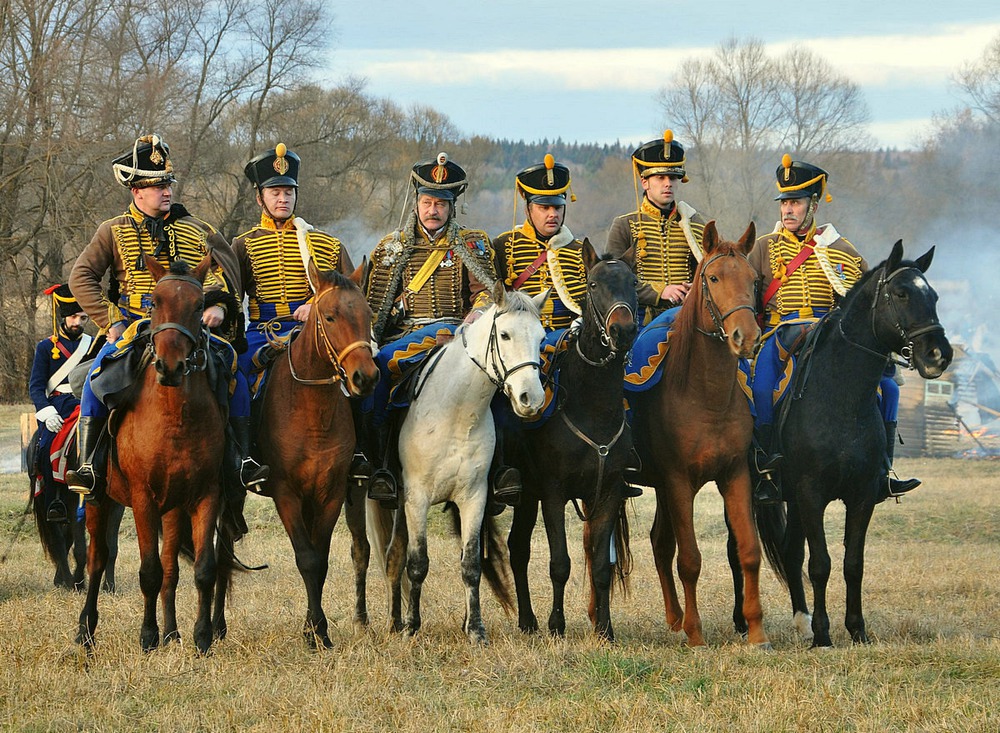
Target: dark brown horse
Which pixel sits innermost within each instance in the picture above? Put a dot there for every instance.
(694, 426)
(581, 452)
(169, 461)
(306, 431)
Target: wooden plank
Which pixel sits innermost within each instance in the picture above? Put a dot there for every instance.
(28, 427)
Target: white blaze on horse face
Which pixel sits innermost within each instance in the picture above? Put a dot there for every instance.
(519, 338)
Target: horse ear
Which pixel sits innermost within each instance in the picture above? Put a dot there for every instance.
(201, 271)
(924, 260)
(358, 276)
(747, 240)
(499, 293)
(628, 257)
(155, 268)
(539, 300)
(710, 237)
(590, 257)
(314, 277)
(895, 257)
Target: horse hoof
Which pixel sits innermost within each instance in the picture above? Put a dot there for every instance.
(765, 646)
(171, 638)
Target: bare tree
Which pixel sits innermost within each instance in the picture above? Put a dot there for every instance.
(980, 81)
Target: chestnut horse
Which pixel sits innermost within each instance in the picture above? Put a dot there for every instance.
(168, 466)
(581, 452)
(694, 426)
(306, 432)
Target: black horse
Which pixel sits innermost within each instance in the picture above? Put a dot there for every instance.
(832, 434)
(581, 451)
(60, 539)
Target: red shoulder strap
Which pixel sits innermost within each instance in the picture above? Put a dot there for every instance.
(529, 270)
(802, 256)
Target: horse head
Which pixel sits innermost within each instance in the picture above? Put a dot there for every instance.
(904, 313)
(506, 342)
(342, 323)
(611, 297)
(727, 291)
(178, 341)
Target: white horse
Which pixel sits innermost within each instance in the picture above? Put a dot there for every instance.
(446, 447)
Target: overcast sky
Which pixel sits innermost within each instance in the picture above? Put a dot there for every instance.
(589, 70)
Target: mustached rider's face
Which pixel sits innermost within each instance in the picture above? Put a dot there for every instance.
(433, 212)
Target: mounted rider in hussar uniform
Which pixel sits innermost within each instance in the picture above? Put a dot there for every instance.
(153, 226)
(425, 277)
(805, 269)
(665, 232)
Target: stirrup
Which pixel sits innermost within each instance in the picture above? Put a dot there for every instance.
(82, 480)
(360, 471)
(382, 488)
(252, 474)
(895, 487)
(56, 513)
(507, 486)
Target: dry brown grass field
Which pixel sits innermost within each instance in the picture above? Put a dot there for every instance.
(932, 596)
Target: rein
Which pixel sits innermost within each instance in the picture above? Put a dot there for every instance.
(718, 318)
(331, 354)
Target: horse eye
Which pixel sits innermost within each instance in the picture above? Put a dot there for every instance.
(504, 336)
(713, 278)
(330, 319)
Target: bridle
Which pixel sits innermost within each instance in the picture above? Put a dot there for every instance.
(197, 360)
(604, 323)
(326, 349)
(501, 373)
(718, 317)
(908, 336)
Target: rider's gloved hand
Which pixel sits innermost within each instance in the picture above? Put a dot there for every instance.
(50, 417)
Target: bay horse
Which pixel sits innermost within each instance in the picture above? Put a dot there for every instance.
(167, 464)
(581, 451)
(446, 445)
(306, 432)
(694, 426)
(831, 432)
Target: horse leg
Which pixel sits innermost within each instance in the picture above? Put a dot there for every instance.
(203, 521)
(597, 544)
(395, 565)
(819, 568)
(360, 553)
(472, 522)
(733, 556)
(147, 527)
(224, 541)
(736, 494)
(661, 537)
(115, 515)
(173, 525)
(322, 531)
(417, 562)
(855, 531)
(97, 557)
(519, 547)
(554, 516)
(688, 556)
(794, 559)
(306, 558)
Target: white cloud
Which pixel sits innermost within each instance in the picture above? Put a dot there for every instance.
(868, 60)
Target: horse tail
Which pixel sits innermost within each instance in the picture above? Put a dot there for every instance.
(771, 524)
(623, 551)
(496, 564)
(48, 532)
(378, 523)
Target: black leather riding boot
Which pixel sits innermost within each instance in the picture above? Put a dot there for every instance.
(249, 473)
(631, 474)
(87, 479)
(360, 472)
(505, 480)
(764, 466)
(892, 486)
(382, 486)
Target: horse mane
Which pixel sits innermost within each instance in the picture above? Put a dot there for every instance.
(179, 267)
(852, 293)
(514, 301)
(336, 278)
